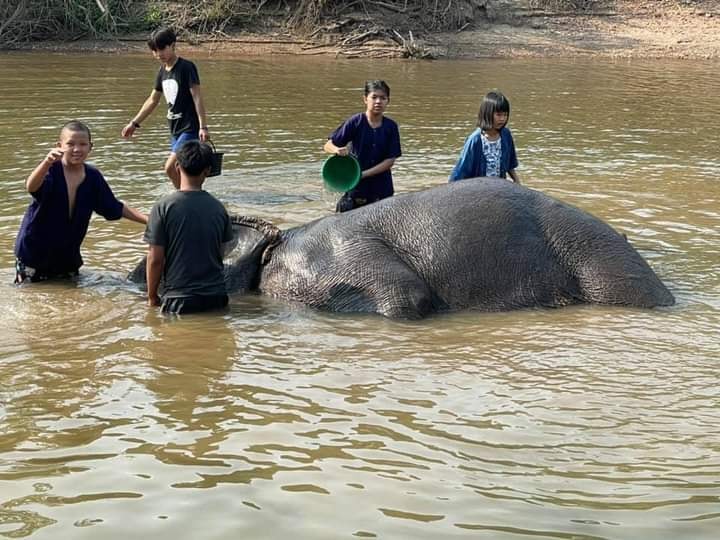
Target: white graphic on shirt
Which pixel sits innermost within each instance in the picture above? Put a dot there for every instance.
(493, 155)
(170, 91)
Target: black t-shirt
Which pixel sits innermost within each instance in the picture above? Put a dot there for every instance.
(192, 227)
(175, 85)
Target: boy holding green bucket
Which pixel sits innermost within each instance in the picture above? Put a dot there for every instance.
(374, 140)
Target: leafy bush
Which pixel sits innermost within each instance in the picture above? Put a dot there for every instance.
(25, 20)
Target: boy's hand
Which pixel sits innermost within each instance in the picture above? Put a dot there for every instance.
(128, 130)
(343, 151)
(54, 155)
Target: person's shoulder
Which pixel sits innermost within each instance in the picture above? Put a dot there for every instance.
(475, 134)
(164, 202)
(53, 177)
(170, 198)
(186, 63)
(355, 119)
(353, 122)
(211, 204)
(389, 121)
(214, 199)
(91, 168)
(94, 173)
(506, 134)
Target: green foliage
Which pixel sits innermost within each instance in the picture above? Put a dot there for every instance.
(153, 15)
(25, 20)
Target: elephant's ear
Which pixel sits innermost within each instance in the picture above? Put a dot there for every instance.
(270, 231)
(138, 274)
(253, 237)
(267, 231)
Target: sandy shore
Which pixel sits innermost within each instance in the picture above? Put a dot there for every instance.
(634, 29)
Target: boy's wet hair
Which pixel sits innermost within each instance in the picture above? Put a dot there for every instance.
(77, 125)
(492, 102)
(194, 157)
(372, 86)
(161, 38)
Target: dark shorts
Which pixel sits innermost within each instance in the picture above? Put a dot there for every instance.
(28, 274)
(194, 304)
(177, 141)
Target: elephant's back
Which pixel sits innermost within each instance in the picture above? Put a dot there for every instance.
(477, 243)
(484, 243)
(490, 242)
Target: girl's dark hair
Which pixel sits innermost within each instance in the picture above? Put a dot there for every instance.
(372, 86)
(77, 125)
(194, 157)
(161, 38)
(492, 102)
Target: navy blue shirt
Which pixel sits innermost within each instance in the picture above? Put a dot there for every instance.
(472, 163)
(49, 238)
(370, 146)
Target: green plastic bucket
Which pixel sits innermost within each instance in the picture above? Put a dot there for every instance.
(341, 173)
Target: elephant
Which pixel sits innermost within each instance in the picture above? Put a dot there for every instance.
(485, 244)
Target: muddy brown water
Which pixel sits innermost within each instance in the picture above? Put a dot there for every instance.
(273, 421)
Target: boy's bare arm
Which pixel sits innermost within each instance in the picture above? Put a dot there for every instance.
(37, 177)
(147, 108)
(130, 213)
(331, 148)
(154, 268)
(383, 166)
(514, 176)
(202, 114)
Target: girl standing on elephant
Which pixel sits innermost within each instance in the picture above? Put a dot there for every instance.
(374, 140)
(490, 149)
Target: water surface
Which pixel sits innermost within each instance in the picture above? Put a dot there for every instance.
(273, 421)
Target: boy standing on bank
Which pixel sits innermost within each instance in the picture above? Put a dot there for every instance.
(179, 82)
(186, 232)
(65, 191)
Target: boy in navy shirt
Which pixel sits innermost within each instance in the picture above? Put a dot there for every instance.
(66, 191)
(179, 82)
(374, 140)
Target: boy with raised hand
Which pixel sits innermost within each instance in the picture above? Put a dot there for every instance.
(186, 232)
(66, 191)
(179, 82)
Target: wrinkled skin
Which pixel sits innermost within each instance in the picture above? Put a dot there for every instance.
(485, 244)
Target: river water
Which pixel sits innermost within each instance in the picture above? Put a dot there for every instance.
(273, 421)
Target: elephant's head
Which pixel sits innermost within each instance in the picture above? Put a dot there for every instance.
(251, 245)
(253, 241)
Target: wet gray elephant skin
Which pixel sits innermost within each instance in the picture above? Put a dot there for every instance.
(486, 244)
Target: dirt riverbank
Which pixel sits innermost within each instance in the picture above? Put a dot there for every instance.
(686, 29)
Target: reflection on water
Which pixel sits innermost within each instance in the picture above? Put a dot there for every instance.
(273, 421)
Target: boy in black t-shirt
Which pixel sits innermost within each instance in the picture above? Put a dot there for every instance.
(179, 82)
(185, 251)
